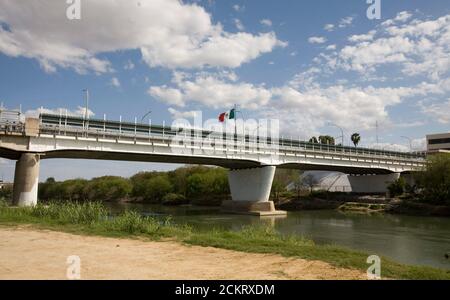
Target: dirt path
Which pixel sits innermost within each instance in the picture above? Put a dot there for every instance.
(40, 254)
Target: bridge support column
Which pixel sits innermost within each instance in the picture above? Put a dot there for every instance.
(250, 191)
(26, 180)
(372, 184)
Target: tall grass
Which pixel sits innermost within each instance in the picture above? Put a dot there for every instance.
(94, 218)
(71, 212)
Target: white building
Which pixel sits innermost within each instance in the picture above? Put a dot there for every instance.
(438, 142)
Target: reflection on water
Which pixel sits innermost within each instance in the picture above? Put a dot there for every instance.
(406, 239)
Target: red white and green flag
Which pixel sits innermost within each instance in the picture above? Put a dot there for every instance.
(227, 115)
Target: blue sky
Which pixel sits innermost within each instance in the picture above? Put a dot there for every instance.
(305, 62)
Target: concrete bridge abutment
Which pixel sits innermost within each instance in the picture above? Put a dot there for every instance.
(26, 180)
(372, 184)
(250, 192)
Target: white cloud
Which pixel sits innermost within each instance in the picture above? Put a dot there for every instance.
(317, 40)
(438, 111)
(331, 47)
(418, 47)
(345, 22)
(176, 114)
(401, 17)
(329, 27)
(239, 24)
(362, 37)
(238, 8)
(40, 30)
(170, 96)
(212, 90)
(80, 111)
(115, 82)
(129, 65)
(266, 22)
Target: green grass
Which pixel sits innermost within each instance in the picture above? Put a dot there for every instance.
(94, 219)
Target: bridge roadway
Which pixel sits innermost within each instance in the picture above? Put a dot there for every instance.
(251, 160)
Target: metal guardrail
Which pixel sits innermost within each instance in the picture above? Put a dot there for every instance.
(10, 121)
(79, 127)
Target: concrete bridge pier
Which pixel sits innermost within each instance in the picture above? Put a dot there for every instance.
(250, 192)
(26, 180)
(372, 184)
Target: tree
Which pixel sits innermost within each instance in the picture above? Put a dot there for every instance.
(313, 140)
(397, 187)
(310, 181)
(356, 138)
(156, 188)
(326, 140)
(297, 183)
(434, 182)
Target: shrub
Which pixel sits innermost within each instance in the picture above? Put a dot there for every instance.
(397, 187)
(174, 199)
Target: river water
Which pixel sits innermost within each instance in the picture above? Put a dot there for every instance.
(406, 239)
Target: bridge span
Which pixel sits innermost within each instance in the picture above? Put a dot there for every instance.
(252, 160)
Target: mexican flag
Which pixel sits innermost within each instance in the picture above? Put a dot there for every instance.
(227, 115)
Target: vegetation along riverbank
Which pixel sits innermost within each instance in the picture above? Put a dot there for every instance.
(91, 218)
(208, 186)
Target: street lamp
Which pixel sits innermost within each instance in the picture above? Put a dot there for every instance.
(86, 112)
(342, 131)
(149, 112)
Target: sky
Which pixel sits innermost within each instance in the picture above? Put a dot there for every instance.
(310, 64)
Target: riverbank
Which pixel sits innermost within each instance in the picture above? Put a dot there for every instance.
(29, 253)
(92, 219)
(349, 202)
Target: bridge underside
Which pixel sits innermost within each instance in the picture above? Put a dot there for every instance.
(221, 162)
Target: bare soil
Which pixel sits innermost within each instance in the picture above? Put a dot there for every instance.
(28, 253)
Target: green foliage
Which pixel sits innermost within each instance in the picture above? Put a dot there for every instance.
(434, 182)
(70, 212)
(93, 218)
(155, 188)
(283, 177)
(397, 187)
(6, 192)
(107, 188)
(172, 187)
(326, 140)
(314, 140)
(213, 181)
(174, 199)
(356, 138)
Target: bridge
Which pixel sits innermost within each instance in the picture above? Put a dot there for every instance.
(251, 160)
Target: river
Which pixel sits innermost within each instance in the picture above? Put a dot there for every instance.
(406, 239)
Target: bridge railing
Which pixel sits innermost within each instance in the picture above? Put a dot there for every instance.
(11, 121)
(78, 127)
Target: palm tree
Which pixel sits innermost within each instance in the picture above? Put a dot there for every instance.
(356, 138)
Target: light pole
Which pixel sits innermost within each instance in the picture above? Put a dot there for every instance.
(149, 112)
(86, 112)
(410, 142)
(342, 131)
